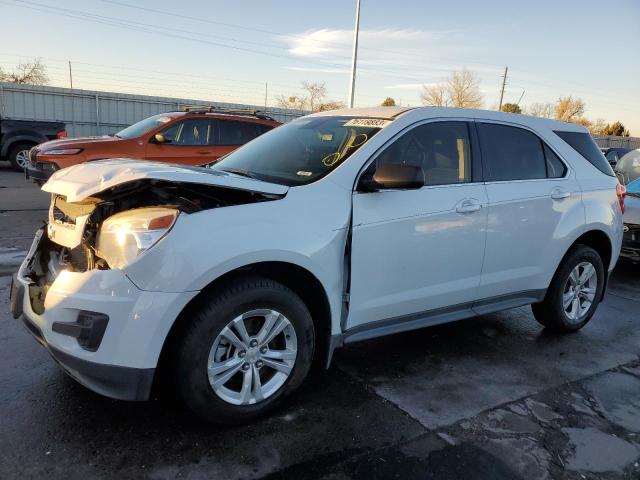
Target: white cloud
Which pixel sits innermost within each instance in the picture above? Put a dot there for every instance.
(377, 47)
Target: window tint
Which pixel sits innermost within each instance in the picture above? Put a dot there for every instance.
(511, 153)
(191, 132)
(555, 168)
(238, 133)
(441, 149)
(585, 146)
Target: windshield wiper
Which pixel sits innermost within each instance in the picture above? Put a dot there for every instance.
(240, 172)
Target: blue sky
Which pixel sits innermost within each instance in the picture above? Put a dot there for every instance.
(228, 50)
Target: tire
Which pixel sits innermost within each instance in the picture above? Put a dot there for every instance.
(19, 155)
(208, 335)
(552, 312)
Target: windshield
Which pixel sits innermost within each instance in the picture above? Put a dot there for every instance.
(628, 167)
(143, 126)
(302, 151)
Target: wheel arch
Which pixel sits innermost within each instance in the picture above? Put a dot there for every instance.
(13, 141)
(601, 243)
(300, 280)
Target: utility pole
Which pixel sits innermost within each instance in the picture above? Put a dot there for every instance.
(70, 75)
(352, 84)
(266, 90)
(504, 82)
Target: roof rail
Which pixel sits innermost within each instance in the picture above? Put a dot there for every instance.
(228, 111)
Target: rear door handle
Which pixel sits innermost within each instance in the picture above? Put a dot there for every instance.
(558, 194)
(468, 205)
(204, 152)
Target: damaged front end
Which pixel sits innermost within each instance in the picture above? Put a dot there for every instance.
(110, 228)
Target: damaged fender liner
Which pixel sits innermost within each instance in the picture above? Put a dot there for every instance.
(114, 381)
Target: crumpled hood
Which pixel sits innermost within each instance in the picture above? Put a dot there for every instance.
(78, 142)
(81, 181)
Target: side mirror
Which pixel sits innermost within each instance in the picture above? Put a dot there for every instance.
(392, 175)
(160, 138)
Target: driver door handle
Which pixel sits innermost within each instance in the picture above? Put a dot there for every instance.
(558, 193)
(204, 152)
(468, 205)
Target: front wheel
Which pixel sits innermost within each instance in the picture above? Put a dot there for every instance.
(247, 348)
(574, 292)
(19, 156)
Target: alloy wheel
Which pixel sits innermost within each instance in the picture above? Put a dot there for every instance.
(579, 291)
(22, 158)
(252, 357)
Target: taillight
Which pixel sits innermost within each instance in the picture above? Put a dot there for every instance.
(61, 134)
(621, 191)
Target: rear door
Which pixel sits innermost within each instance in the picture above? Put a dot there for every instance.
(235, 133)
(415, 251)
(189, 141)
(531, 195)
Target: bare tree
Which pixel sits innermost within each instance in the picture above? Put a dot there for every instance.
(461, 89)
(316, 93)
(435, 95)
(569, 109)
(313, 98)
(544, 110)
(464, 89)
(598, 127)
(26, 73)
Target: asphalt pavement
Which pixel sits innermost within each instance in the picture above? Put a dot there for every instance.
(496, 397)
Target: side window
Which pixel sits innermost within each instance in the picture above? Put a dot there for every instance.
(511, 153)
(555, 167)
(442, 149)
(237, 133)
(191, 132)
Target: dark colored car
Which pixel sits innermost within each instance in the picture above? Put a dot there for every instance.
(614, 154)
(196, 136)
(17, 137)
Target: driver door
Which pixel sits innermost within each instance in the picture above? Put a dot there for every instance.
(416, 251)
(189, 141)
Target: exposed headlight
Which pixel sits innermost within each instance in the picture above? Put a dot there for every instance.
(124, 236)
(63, 151)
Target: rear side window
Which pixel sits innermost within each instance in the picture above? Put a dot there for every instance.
(511, 153)
(585, 146)
(238, 133)
(555, 168)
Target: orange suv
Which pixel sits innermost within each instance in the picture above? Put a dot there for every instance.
(196, 136)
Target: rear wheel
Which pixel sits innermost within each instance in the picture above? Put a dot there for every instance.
(247, 348)
(19, 156)
(574, 293)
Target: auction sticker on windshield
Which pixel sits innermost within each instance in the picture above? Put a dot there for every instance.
(367, 122)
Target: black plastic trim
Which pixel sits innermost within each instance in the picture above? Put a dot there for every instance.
(433, 317)
(114, 381)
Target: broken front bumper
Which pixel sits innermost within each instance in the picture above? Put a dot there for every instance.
(116, 358)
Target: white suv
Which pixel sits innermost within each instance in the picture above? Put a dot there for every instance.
(337, 227)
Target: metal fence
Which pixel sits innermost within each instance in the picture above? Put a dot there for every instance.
(88, 112)
(607, 141)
